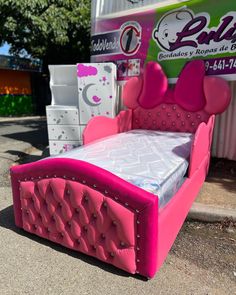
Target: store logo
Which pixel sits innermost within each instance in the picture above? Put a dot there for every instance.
(181, 28)
(105, 43)
(130, 37)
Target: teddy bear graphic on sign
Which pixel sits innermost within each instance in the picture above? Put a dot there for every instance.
(169, 25)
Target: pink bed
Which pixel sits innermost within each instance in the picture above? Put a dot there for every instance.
(88, 209)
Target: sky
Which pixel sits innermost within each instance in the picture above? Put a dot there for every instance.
(4, 49)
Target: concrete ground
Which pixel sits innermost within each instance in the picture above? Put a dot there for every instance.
(217, 198)
(220, 186)
(202, 259)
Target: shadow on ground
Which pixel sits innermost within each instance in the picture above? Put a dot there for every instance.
(223, 171)
(7, 221)
(37, 134)
(30, 157)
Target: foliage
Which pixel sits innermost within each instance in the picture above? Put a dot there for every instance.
(56, 31)
(15, 105)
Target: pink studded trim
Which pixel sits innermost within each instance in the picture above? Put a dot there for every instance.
(88, 209)
(168, 117)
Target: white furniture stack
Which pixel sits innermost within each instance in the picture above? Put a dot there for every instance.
(97, 90)
(79, 93)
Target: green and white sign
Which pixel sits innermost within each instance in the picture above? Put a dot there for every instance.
(171, 35)
(199, 30)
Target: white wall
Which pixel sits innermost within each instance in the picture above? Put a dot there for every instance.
(224, 142)
(101, 8)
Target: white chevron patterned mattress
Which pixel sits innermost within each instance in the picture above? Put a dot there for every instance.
(152, 160)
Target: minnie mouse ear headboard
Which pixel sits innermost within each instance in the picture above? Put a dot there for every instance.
(193, 100)
(193, 92)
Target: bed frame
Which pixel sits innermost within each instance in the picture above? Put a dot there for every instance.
(88, 209)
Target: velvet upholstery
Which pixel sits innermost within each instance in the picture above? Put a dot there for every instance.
(88, 209)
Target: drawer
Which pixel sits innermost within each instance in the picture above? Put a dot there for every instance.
(64, 132)
(62, 115)
(58, 147)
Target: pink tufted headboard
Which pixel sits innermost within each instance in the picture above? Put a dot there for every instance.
(193, 100)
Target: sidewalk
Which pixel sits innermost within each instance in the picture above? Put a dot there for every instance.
(24, 140)
(217, 198)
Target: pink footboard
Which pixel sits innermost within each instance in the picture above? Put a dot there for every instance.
(90, 210)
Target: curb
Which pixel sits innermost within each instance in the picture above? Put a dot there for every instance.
(209, 213)
(14, 119)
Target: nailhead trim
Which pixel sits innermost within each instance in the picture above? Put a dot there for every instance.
(68, 191)
(77, 210)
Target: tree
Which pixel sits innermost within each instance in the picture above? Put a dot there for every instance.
(56, 31)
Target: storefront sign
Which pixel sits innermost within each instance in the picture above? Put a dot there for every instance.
(172, 36)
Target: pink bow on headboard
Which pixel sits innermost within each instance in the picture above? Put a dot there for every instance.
(193, 91)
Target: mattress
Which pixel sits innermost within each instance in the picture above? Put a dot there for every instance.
(155, 161)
